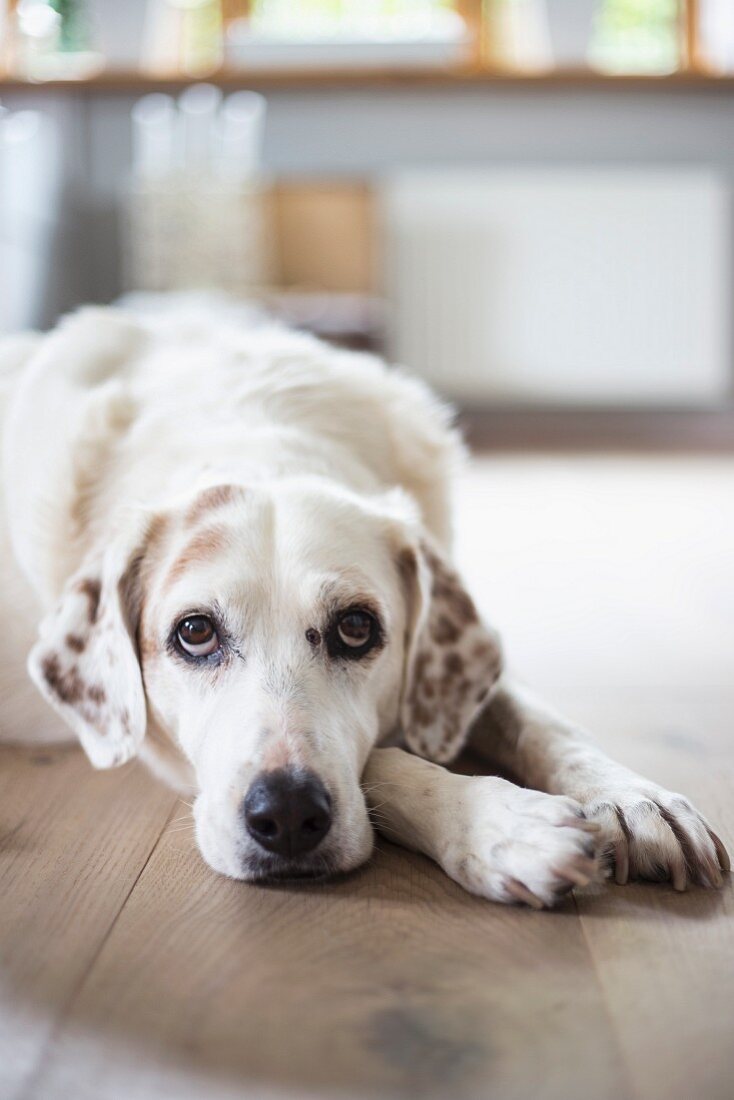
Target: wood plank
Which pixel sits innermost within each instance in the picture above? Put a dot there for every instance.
(391, 981)
(72, 843)
(666, 961)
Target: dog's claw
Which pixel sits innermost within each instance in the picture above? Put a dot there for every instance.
(721, 852)
(520, 892)
(581, 872)
(581, 823)
(657, 835)
(621, 861)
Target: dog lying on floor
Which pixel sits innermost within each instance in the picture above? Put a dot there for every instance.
(237, 541)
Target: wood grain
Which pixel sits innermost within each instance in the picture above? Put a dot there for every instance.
(72, 844)
(393, 979)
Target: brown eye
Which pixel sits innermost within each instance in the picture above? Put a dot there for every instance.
(197, 636)
(356, 629)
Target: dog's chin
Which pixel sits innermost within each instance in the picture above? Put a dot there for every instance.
(264, 868)
(267, 871)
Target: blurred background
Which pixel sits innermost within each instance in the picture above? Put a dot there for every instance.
(528, 202)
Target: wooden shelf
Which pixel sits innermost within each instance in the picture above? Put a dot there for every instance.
(133, 82)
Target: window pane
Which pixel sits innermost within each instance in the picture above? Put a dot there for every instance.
(637, 36)
(352, 18)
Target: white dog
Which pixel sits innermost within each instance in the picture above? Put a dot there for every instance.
(237, 542)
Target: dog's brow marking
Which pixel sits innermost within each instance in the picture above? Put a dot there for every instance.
(211, 499)
(209, 541)
(157, 528)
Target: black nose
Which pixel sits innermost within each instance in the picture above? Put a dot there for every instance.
(287, 812)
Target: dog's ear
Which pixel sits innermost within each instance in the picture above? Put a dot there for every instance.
(85, 663)
(452, 658)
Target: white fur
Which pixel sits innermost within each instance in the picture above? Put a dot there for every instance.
(339, 473)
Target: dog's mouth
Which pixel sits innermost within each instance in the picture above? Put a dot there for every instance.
(296, 876)
(278, 872)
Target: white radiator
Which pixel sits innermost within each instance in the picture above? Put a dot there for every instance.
(603, 286)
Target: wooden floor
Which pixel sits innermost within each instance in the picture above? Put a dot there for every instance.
(128, 969)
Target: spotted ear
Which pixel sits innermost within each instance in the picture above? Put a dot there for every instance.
(85, 663)
(453, 659)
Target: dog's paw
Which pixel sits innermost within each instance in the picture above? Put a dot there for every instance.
(655, 834)
(517, 845)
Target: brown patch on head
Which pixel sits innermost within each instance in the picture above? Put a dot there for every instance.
(203, 545)
(75, 642)
(157, 528)
(209, 500)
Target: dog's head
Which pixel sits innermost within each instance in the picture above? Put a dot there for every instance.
(276, 633)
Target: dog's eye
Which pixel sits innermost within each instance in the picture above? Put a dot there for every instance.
(197, 636)
(356, 629)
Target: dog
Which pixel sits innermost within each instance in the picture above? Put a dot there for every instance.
(237, 541)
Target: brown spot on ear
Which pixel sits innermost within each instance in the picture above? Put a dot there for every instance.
(447, 588)
(204, 544)
(97, 694)
(453, 664)
(75, 642)
(209, 500)
(92, 589)
(67, 685)
(421, 715)
(444, 631)
(460, 604)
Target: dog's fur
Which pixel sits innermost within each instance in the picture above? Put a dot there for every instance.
(163, 467)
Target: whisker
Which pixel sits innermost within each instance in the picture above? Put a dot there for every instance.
(371, 809)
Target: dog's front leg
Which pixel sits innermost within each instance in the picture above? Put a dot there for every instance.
(652, 833)
(492, 837)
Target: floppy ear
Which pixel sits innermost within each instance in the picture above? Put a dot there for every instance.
(85, 663)
(453, 659)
